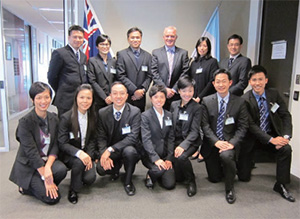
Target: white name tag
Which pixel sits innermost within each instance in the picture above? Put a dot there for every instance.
(144, 68)
(274, 107)
(71, 135)
(126, 130)
(47, 140)
(168, 122)
(183, 116)
(84, 67)
(113, 71)
(199, 70)
(229, 121)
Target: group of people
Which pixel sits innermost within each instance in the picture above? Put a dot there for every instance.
(198, 108)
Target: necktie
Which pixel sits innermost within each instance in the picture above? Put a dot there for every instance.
(220, 120)
(230, 61)
(137, 56)
(170, 60)
(264, 123)
(118, 116)
(77, 56)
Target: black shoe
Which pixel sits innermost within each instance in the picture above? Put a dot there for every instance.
(114, 177)
(230, 196)
(191, 189)
(280, 188)
(200, 160)
(129, 189)
(148, 182)
(72, 197)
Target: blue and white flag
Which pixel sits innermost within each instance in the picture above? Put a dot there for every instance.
(212, 31)
(92, 29)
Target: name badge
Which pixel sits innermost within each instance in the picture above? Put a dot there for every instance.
(274, 108)
(229, 121)
(199, 70)
(144, 68)
(47, 140)
(168, 122)
(71, 135)
(183, 116)
(113, 71)
(84, 67)
(126, 130)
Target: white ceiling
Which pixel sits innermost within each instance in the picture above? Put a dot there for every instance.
(29, 10)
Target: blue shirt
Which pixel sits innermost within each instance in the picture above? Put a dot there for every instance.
(257, 97)
(226, 100)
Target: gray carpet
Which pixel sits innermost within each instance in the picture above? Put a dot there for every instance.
(105, 199)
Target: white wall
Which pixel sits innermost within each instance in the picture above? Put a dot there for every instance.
(42, 67)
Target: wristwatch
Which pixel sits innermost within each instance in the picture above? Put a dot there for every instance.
(287, 137)
(110, 149)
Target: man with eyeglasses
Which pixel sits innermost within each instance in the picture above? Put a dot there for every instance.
(237, 64)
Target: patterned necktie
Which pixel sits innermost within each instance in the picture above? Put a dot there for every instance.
(264, 123)
(77, 56)
(137, 56)
(220, 120)
(117, 116)
(230, 61)
(170, 60)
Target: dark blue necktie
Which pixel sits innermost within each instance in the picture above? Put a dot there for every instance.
(264, 123)
(230, 61)
(137, 56)
(117, 116)
(220, 121)
(77, 56)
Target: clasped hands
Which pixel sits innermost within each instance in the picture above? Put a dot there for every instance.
(279, 142)
(224, 146)
(105, 161)
(166, 165)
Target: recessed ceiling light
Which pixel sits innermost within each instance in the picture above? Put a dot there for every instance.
(51, 9)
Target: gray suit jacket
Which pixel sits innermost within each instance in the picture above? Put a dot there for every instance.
(28, 158)
(131, 116)
(65, 74)
(134, 76)
(160, 66)
(158, 142)
(233, 133)
(239, 71)
(100, 79)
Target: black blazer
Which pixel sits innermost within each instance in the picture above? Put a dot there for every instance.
(191, 127)
(203, 86)
(160, 66)
(28, 158)
(280, 121)
(134, 76)
(65, 74)
(100, 79)
(131, 116)
(233, 133)
(70, 146)
(158, 142)
(239, 73)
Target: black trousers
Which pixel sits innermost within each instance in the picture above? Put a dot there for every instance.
(37, 187)
(166, 177)
(221, 164)
(183, 166)
(283, 162)
(138, 103)
(129, 156)
(79, 176)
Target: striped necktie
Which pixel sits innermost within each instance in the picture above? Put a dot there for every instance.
(264, 123)
(220, 121)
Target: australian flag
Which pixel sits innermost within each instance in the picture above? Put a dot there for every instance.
(91, 31)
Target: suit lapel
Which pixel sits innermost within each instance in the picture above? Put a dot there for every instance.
(101, 66)
(176, 56)
(155, 119)
(236, 61)
(132, 57)
(165, 57)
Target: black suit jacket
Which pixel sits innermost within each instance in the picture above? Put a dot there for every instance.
(67, 142)
(280, 121)
(131, 116)
(28, 158)
(191, 127)
(100, 79)
(158, 142)
(134, 76)
(160, 66)
(233, 133)
(65, 74)
(239, 72)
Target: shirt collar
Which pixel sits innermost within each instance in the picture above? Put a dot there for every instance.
(74, 50)
(234, 57)
(121, 110)
(158, 114)
(170, 48)
(82, 116)
(133, 50)
(226, 98)
(258, 96)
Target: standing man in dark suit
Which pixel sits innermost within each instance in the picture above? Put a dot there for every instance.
(168, 64)
(270, 128)
(102, 72)
(224, 123)
(133, 68)
(118, 137)
(237, 64)
(67, 70)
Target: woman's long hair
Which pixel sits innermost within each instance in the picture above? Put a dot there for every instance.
(91, 112)
(208, 54)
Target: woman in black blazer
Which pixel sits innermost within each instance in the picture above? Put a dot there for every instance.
(186, 120)
(77, 140)
(36, 170)
(158, 140)
(101, 72)
(201, 70)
